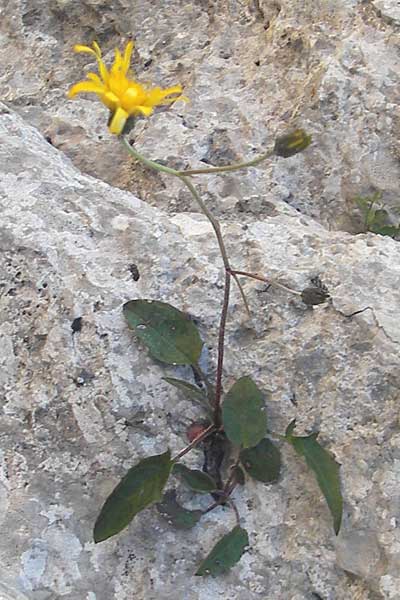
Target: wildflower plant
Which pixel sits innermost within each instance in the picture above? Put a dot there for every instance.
(234, 435)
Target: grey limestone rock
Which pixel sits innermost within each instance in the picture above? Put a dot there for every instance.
(250, 68)
(81, 402)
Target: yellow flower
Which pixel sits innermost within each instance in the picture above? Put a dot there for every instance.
(122, 95)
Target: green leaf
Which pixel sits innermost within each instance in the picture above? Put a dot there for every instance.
(389, 230)
(194, 479)
(225, 554)
(380, 218)
(176, 514)
(243, 416)
(188, 389)
(364, 204)
(326, 471)
(168, 333)
(263, 462)
(142, 485)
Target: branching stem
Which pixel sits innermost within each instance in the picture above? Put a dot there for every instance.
(229, 168)
(228, 271)
(265, 280)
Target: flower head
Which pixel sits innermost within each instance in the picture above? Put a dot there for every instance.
(121, 94)
(292, 143)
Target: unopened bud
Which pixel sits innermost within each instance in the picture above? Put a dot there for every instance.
(314, 295)
(292, 143)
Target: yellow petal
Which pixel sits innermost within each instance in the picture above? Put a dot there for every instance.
(97, 50)
(97, 53)
(143, 110)
(175, 99)
(158, 96)
(126, 61)
(118, 84)
(79, 48)
(175, 89)
(94, 77)
(102, 67)
(103, 70)
(118, 121)
(117, 65)
(110, 100)
(85, 86)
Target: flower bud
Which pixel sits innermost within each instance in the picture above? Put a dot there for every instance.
(292, 143)
(314, 295)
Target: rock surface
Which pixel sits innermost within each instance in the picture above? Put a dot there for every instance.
(81, 401)
(251, 69)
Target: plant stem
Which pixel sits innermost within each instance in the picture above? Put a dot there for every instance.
(221, 344)
(228, 487)
(214, 223)
(235, 510)
(241, 290)
(149, 163)
(228, 168)
(194, 443)
(228, 271)
(217, 229)
(265, 280)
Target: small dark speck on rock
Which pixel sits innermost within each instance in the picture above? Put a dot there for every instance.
(76, 325)
(134, 271)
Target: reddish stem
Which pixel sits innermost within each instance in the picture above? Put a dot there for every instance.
(221, 341)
